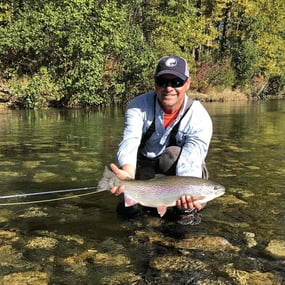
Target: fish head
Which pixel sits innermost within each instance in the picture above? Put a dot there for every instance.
(209, 191)
(219, 190)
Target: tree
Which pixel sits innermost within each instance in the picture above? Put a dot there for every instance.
(87, 52)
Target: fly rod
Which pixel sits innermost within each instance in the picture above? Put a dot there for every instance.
(23, 195)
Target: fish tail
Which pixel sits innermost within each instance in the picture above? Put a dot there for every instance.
(106, 181)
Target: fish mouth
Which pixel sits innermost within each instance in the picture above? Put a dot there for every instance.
(220, 190)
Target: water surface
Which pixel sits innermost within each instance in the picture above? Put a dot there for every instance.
(61, 149)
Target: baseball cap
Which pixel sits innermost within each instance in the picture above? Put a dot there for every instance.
(173, 64)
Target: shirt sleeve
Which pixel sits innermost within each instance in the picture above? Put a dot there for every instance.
(128, 148)
(195, 139)
(136, 118)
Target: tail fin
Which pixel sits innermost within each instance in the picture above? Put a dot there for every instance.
(105, 182)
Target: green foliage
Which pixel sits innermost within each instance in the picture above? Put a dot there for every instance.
(5, 13)
(211, 75)
(275, 85)
(134, 72)
(102, 52)
(128, 58)
(244, 61)
(77, 40)
(35, 92)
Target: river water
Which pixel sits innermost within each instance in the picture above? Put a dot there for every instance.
(82, 240)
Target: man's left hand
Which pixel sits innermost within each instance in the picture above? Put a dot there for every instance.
(187, 202)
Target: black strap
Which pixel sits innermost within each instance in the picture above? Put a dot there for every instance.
(173, 132)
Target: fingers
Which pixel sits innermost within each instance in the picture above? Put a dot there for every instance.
(198, 206)
(122, 174)
(115, 169)
(186, 202)
(117, 190)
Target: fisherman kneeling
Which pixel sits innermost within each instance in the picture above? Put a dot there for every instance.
(165, 132)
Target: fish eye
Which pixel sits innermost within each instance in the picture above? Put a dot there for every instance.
(216, 187)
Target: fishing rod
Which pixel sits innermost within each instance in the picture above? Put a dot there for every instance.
(23, 195)
(47, 200)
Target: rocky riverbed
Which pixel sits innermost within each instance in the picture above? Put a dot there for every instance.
(156, 252)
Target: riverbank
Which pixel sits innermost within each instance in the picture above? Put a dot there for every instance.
(9, 101)
(219, 96)
(226, 95)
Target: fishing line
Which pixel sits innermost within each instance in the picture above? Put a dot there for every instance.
(47, 200)
(49, 192)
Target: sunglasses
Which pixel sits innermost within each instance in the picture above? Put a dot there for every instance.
(174, 82)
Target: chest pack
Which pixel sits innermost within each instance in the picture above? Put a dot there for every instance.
(173, 133)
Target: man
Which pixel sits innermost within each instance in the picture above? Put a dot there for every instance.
(165, 131)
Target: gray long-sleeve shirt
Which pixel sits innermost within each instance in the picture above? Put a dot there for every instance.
(194, 134)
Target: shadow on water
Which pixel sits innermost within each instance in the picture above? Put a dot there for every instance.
(81, 240)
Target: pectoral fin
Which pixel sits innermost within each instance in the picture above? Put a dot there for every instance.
(129, 201)
(161, 210)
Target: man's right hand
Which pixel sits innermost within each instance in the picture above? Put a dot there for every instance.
(127, 172)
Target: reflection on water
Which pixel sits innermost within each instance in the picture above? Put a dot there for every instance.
(64, 148)
(82, 239)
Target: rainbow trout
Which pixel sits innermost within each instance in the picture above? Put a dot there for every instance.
(162, 191)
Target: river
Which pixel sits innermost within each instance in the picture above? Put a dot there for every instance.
(81, 240)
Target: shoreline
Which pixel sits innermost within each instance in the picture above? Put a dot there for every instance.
(227, 95)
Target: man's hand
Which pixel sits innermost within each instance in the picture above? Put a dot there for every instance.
(187, 202)
(127, 172)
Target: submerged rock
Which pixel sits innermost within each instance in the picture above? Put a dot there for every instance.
(94, 261)
(26, 278)
(276, 247)
(32, 163)
(11, 174)
(4, 215)
(32, 212)
(205, 243)
(123, 278)
(250, 239)
(179, 269)
(42, 243)
(252, 278)
(69, 238)
(9, 256)
(233, 200)
(7, 236)
(95, 257)
(45, 177)
(176, 263)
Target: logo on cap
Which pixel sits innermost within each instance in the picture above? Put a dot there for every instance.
(171, 62)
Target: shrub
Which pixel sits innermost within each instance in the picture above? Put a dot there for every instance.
(219, 74)
(34, 92)
(275, 86)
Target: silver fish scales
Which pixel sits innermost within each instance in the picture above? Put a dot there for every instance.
(162, 191)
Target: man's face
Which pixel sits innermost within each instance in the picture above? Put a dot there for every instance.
(170, 91)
